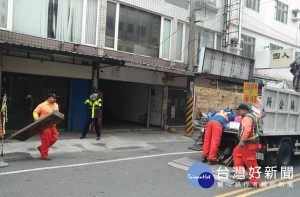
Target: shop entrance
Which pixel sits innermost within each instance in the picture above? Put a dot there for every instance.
(25, 92)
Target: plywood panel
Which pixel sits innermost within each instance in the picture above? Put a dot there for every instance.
(209, 99)
(36, 127)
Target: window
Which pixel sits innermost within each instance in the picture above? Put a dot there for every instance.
(248, 46)
(203, 38)
(3, 13)
(182, 40)
(179, 41)
(219, 42)
(275, 47)
(186, 45)
(252, 4)
(297, 55)
(139, 31)
(90, 33)
(110, 25)
(281, 12)
(71, 21)
(166, 38)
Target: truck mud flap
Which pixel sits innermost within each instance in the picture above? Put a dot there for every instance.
(185, 162)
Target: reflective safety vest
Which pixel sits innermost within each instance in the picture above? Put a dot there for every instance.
(253, 137)
(94, 107)
(223, 114)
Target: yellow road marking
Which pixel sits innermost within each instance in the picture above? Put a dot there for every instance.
(249, 188)
(267, 188)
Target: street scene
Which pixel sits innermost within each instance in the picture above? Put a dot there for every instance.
(149, 98)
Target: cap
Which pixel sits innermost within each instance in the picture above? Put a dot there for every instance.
(243, 106)
(51, 95)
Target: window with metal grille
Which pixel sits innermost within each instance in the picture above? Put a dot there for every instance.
(281, 12)
(297, 55)
(248, 46)
(252, 4)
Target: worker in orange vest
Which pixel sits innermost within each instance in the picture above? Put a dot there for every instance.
(245, 151)
(49, 135)
(213, 134)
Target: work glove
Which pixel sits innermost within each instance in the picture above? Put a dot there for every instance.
(36, 119)
(241, 144)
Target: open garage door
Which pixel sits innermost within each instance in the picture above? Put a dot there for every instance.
(127, 102)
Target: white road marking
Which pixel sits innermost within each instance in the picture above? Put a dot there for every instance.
(94, 163)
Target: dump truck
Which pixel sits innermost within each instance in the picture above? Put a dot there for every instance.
(279, 130)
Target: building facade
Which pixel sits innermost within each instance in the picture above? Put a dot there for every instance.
(270, 28)
(135, 52)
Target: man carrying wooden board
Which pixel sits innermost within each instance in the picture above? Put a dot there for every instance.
(49, 135)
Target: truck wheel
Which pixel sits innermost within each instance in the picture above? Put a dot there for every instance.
(284, 155)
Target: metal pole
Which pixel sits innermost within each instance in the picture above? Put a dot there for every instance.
(240, 23)
(250, 95)
(149, 106)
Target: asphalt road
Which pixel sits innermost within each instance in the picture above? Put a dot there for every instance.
(122, 172)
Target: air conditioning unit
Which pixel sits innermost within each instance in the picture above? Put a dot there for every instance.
(296, 19)
(296, 15)
(208, 4)
(234, 45)
(234, 41)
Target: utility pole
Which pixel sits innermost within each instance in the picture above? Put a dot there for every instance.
(191, 64)
(191, 44)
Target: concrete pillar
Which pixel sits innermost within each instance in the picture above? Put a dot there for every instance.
(101, 26)
(95, 77)
(189, 107)
(164, 114)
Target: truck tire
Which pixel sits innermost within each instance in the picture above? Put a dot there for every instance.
(284, 155)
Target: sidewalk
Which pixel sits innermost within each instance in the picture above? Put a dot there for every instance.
(120, 139)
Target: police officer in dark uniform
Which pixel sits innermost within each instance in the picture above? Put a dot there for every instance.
(94, 105)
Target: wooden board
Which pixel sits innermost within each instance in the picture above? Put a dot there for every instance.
(38, 126)
(209, 100)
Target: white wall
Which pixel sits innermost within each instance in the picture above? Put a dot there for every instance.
(38, 67)
(263, 22)
(132, 75)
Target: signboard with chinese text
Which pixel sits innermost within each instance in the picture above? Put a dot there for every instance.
(246, 93)
(281, 58)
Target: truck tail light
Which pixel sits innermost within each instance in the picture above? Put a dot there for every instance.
(261, 147)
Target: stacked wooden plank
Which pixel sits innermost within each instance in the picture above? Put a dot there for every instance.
(38, 126)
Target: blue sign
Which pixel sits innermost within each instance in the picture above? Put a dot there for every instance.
(200, 175)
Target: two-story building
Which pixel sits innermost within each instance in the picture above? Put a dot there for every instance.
(135, 52)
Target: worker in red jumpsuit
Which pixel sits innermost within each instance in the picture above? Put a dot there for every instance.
(49, 135)
(245, 151)
(213, 134)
